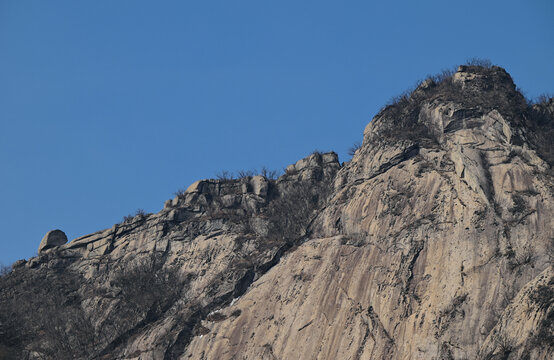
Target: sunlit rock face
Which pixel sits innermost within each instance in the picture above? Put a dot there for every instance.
(435, 241)
(435, 238)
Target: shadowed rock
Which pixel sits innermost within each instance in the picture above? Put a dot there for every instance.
(52, 239)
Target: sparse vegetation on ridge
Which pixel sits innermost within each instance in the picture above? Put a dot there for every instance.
(230, 176)
(225, 175)
(269, 174)
(406, 121)
(139, 213)
(180, 192)
(475, 61)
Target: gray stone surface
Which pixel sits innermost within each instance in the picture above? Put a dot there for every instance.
(52, 239)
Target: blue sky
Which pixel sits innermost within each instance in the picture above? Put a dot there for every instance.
(111, 106)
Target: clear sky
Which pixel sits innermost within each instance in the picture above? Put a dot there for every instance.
(110, 106)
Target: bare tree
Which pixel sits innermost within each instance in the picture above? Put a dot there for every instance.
(352, 150)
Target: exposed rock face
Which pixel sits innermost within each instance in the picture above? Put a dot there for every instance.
(422, 247)
(434, 242)
(51, 239)
(207, 245)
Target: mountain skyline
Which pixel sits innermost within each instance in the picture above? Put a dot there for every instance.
(108, 107)
(435, 241)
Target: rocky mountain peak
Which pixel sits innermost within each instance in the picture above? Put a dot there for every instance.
(435, 241)
(483, 78)
(471, 91)
(482, 99)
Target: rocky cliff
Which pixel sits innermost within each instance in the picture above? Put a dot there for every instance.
(435, 241)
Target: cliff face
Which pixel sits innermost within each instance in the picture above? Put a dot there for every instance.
(141, 288)
(434, 242)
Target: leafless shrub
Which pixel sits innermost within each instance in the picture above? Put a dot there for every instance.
(180, 192)
(539, 118)
(5, 270)
(225, 175)
(504, 346)
(510, 253)
(269, 174)
(352, 150)
(401, 99)
(66, 329)
(139, 213)
(245, 173)
(519, 204)
(265, 172)
(543, 296)
(522, 258)
(403, 111)
(45, 314)
(148, 286)
(445, 76)
(542, 99)
(288, 215)
(291, 212)
(475, 61)
(145, 291)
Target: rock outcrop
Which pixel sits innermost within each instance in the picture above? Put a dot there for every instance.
(52, 239)
(435, 241)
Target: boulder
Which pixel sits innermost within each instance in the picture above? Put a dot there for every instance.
(259, 185)
(52, 239)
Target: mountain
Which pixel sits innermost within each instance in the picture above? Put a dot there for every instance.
(435, 241)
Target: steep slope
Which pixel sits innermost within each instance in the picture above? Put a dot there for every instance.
(434, 242)
(139, 289)
(439, 221)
